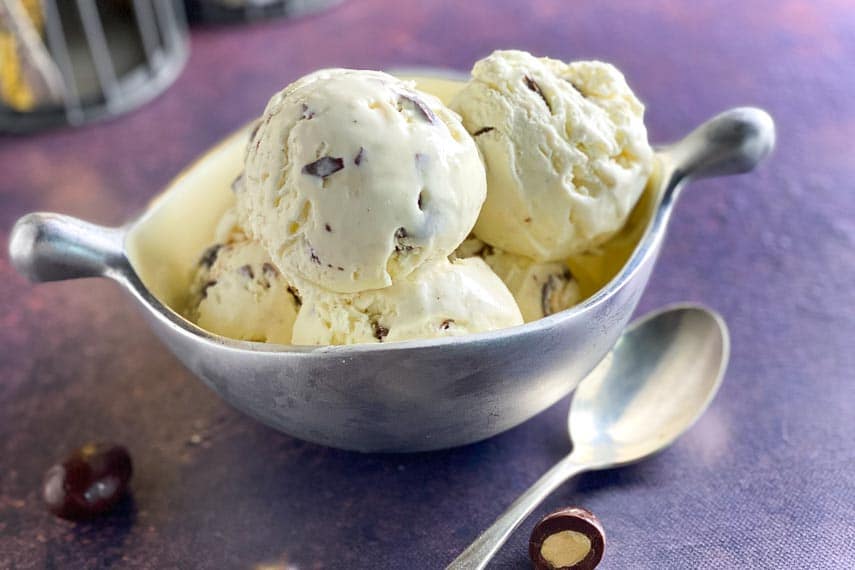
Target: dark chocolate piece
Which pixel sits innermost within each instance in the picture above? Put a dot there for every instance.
(400, 235)
(357, 160)
(269, 270)
(246, 271)
(532, 84)
(255, 126)
(421, 161)
(482, 131)
(549, 288)
(204, 291)
(576, 87)
(446, 324)
(328, 227)
(296, 294)
(237, 183)
(420, 201)
(209, 257)
(380, 332)
(88, 482)
(527, 220)
(485, 250)
(421, 107)
(545, 553)
(306, 113)
(324, 166)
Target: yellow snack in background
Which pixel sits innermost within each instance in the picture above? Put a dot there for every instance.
(14, 90)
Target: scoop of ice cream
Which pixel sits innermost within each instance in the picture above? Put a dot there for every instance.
(237, 292)
(354, 179)
(539, 288)
(565, 148)
(441, 298)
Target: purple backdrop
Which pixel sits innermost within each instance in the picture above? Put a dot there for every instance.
(765, 480)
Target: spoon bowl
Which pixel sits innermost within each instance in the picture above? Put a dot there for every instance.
(657, 380)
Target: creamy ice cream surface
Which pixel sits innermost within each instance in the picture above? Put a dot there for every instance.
(237, 292)
(441, 298)
(565, 149)
(539, 288)
(354, 179)
(359, 191)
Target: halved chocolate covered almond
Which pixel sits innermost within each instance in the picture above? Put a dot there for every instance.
(568, 539)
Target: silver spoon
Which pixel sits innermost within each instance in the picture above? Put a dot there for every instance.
(658, 379)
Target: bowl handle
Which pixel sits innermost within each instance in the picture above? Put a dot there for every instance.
(730, 143)
(53, 247)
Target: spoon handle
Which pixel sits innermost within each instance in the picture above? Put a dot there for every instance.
(485, 546)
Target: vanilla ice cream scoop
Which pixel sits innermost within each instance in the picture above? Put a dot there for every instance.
(539, 288)
(441, 298)
(354, 179)
(565, 149)
(237, 292)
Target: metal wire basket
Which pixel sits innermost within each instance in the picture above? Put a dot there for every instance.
(76, 61)
(222, 11)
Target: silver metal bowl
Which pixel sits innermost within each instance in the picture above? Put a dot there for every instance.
(407, 396)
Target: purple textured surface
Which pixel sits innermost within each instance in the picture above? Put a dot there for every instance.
(765, 480)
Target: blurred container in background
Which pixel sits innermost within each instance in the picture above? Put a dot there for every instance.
(245, 10)
(76, 61)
